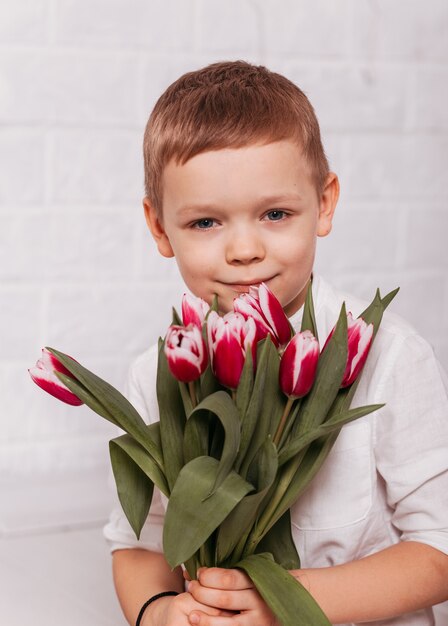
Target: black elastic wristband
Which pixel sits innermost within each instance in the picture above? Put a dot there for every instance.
(153, 599)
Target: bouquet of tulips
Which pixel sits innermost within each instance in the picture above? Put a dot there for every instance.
(248, 413)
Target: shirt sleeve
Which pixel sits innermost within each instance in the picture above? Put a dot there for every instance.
(118, 532)
(412, 444)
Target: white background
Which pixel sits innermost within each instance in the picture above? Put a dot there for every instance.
(78, 269)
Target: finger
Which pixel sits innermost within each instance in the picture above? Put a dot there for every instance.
(196, 618)
(187, 603)
(226, 599)
(220, 578)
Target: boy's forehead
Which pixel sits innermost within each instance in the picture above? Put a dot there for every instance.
(247, 149)
(274, 169)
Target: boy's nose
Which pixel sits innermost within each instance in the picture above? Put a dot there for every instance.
(244, 247)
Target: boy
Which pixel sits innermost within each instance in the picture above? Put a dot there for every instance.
(237, 189)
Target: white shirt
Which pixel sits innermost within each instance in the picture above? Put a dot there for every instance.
(386, 477)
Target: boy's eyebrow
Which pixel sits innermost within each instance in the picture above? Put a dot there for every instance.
(263, 200)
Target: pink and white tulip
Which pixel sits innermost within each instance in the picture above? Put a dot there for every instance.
(262, 306)
(298, 365)
(43, 374)
(186, 352)
(229, 338)
(360, 337)
(194, 310)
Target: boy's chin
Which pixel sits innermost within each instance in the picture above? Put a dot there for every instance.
(225, 304)
(224, 310)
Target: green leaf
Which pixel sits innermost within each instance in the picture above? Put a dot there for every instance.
(389, 297)
(115, 404)
(245, 386)
(186, 398)
(195, 444)
(154, 431)
(290, 423)
(329, 375)
(191, 515)
(373, 314)
(82, 393)
(297, 444)
(309, 318)
(298, 471)
(196, 435)
(176, 320)
(305, 470)
(265, 406)
(208, 384)
(172, 419)
(235, 529)
(279, 542)
(285, 596)
(134, 487)
(143, 460)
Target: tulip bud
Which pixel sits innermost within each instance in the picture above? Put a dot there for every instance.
(298, 364)
(229, 338)
(43, 374)
(194, 310)
(360, 337)
(267, 312)
(186, 352)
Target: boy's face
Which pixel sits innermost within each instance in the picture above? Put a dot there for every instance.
(237, 217)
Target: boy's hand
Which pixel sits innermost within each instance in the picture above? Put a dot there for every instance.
(233, 592)
(175, 611)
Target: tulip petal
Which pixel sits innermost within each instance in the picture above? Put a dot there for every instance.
(360, 337)
(50, 362)
(229, 338)
(228, 361)
(184, 367)
(274, 314)
(47, 381)
(298, 365)
(249, 307)
(194, 310)
(186, 353)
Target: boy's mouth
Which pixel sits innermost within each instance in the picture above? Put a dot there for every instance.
(244, 286)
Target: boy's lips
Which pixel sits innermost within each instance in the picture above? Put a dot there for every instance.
(244, 286)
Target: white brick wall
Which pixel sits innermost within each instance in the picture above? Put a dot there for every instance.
(78, 270)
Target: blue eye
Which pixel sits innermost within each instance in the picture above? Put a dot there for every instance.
(204, 224)
(275, 215)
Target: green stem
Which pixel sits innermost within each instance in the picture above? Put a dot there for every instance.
(192, 566)
(270, 514)
(289, 426)
(192, 390)
(282, 423)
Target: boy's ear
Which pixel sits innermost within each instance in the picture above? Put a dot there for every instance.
(327, 205)
(157, 230)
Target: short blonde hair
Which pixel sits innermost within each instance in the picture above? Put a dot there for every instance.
(228, 105)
